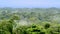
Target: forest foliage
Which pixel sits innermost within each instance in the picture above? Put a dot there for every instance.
(30, 20)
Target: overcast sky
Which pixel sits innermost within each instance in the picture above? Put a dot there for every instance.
(30, 3)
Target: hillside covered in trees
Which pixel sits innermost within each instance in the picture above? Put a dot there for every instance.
(30, 20)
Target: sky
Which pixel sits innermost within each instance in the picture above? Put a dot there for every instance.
(30, 3)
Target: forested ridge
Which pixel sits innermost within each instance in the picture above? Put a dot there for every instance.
(30, 20)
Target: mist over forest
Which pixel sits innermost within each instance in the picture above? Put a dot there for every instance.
(42, 14)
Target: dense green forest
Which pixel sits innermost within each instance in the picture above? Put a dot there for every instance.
(30, 20)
